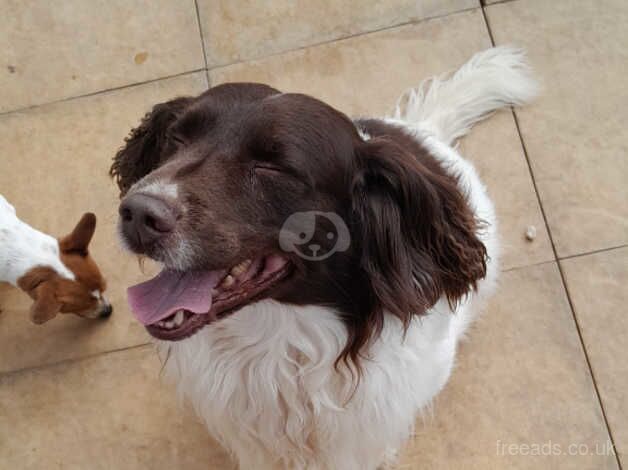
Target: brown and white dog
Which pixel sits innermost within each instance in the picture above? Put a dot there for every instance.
(59, 275)
(318, 271)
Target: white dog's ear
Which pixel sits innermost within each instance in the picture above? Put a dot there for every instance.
(78, 240)
(46, 306)
(41, 284)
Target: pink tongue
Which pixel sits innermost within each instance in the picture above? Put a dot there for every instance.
(169, 291)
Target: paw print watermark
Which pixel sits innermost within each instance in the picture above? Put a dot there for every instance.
(314, 235)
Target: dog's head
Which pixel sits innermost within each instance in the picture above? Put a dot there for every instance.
(246, 193)
(53, 293)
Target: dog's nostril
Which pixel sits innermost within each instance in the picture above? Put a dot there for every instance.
(151, 223)
(159, 224)
(126, 214)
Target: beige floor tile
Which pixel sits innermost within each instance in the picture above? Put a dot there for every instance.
(521, 379)
(495, 149)
(366, 74)
(576, 134)
(72, 47)
(597, 285)
(244, 29)
(54, 166)
(110, 412)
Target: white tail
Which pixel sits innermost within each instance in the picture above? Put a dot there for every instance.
(449, 105)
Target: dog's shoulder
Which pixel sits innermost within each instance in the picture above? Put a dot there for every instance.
(5, 207)
(22, 247)
(8, 223)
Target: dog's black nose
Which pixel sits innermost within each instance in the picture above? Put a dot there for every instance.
(106, 311)
(145, 219)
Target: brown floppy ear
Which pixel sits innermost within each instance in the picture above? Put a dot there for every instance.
(46, 305)
(144, 147)
(78, 241)
(417, 232)
(40, 284)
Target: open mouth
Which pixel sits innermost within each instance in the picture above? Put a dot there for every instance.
(174, 305)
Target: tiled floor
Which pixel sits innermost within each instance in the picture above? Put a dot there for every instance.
(545, 371)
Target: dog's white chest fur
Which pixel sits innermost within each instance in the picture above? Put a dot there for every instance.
(22, 247)
(265, 384)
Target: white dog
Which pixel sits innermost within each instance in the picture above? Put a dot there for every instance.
(59, 275)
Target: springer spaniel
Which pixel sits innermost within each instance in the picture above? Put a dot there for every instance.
(318, 271)
(59, 275)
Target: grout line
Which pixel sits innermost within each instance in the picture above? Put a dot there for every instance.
(100, 92)
(71, 360)
(207, 69)
(569, 299)
(560, 268)
(344, 38)
(484, 4)
(525, 266)
(588, 360)
(200, 33)
(593, 252)
(488, 27)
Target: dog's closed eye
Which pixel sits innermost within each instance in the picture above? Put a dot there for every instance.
(269, 169)
(176, 139)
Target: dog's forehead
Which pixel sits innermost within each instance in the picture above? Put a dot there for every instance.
(231, 102)
(302, 133)
(156, 186)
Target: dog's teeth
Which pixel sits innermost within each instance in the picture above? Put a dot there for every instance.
(228, 281)
(241, 268)
(178, 318)
(170, 324)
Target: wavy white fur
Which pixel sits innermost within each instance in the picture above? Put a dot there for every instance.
(263, 379)
(449, 105)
